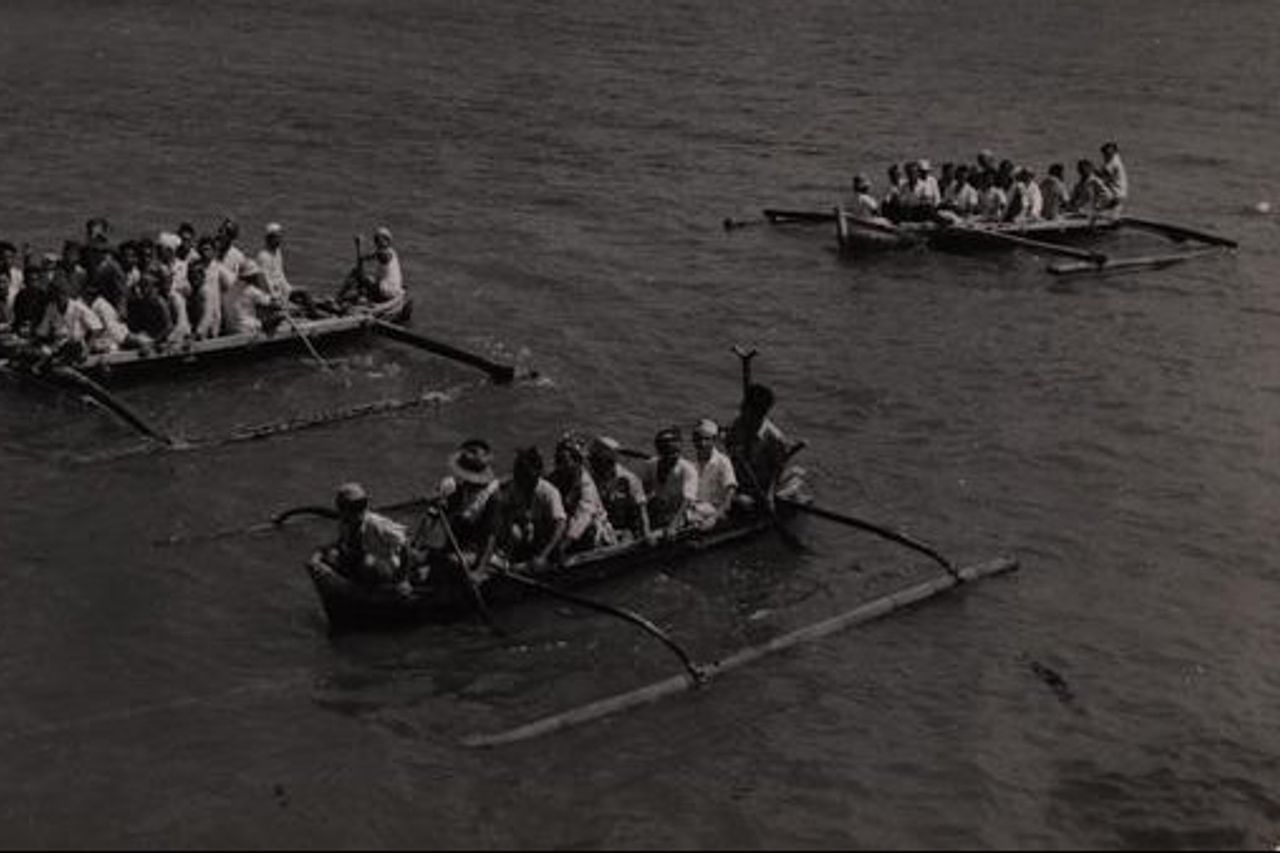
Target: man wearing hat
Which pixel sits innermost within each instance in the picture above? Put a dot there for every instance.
(271, 262)
(371, 548)
(388, 281)
(588, 521)
(243, 298)
(670, 484)
(464, 496)
(717, 483)
(620, 490)
(925, 188)
(863, 204)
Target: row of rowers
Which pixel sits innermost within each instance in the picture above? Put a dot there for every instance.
(992, 191)
(588, 499)
(169, 289)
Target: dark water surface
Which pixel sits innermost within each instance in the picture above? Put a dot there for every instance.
(556, 173)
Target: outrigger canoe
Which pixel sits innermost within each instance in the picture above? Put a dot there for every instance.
(294, 331)
(444, 597)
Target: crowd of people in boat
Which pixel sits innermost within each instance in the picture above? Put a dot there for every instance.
(992, 191)
(588, 499)
(169, 289)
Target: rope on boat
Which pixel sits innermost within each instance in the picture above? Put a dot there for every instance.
(651, 693)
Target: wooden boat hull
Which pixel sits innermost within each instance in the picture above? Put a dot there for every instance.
(443, 598)
(858, 236)
(226, 347)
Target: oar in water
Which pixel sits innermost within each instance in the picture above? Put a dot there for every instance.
(501, 373)
(1180, 233)
(879, 530)
(276, 522)
(695, 671)
(1136, 263)
(473, 589)
(311, 347)
(74, 378)
(1027, 243)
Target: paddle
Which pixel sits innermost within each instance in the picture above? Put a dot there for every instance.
(276, 522)
(73, 377)
(1025, 242)
(473, 589)
(311, 347)
(1179, 233)
(695, 671)
(500, 373)
(879, 530)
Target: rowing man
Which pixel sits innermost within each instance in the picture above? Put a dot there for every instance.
(757, 447)
(371, 548)
(1113, 173)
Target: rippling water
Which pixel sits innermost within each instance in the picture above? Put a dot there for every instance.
(556, 174)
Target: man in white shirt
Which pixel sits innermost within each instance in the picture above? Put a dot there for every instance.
(670, 484)
(371, 548)
(1027, 201)
(1114, 174)
(241, 300)
(388, 280)
(717, 482)
(863, 204)
(271, 262)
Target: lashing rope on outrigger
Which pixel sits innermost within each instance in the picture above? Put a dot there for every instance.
(258, 432)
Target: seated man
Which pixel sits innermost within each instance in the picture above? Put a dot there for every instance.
(670, 484)
(527, 519)
(757, 447)
(620, 490)
(148, 311)
(244, 300)
(385, 284)
(588, 521)
(717, 482)
(462, 502)
(370, 549)
(68, 327)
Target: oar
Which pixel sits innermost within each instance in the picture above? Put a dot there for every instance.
(1179, 233)
(1137, 263)
(276, 522)
(311, 347)
(695, 671)
(500, 373)
(879, 530)
(473, 589)
(808, 217)
(75, 378)
(1026, 242)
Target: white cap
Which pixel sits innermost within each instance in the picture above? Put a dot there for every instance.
(275, 228)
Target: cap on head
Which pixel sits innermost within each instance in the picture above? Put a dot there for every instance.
(382, 233)
(667, 435)
(168, 240)
(351, 496)
(275, 228)
(924, 165)
(605, 449)
(706, 428)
